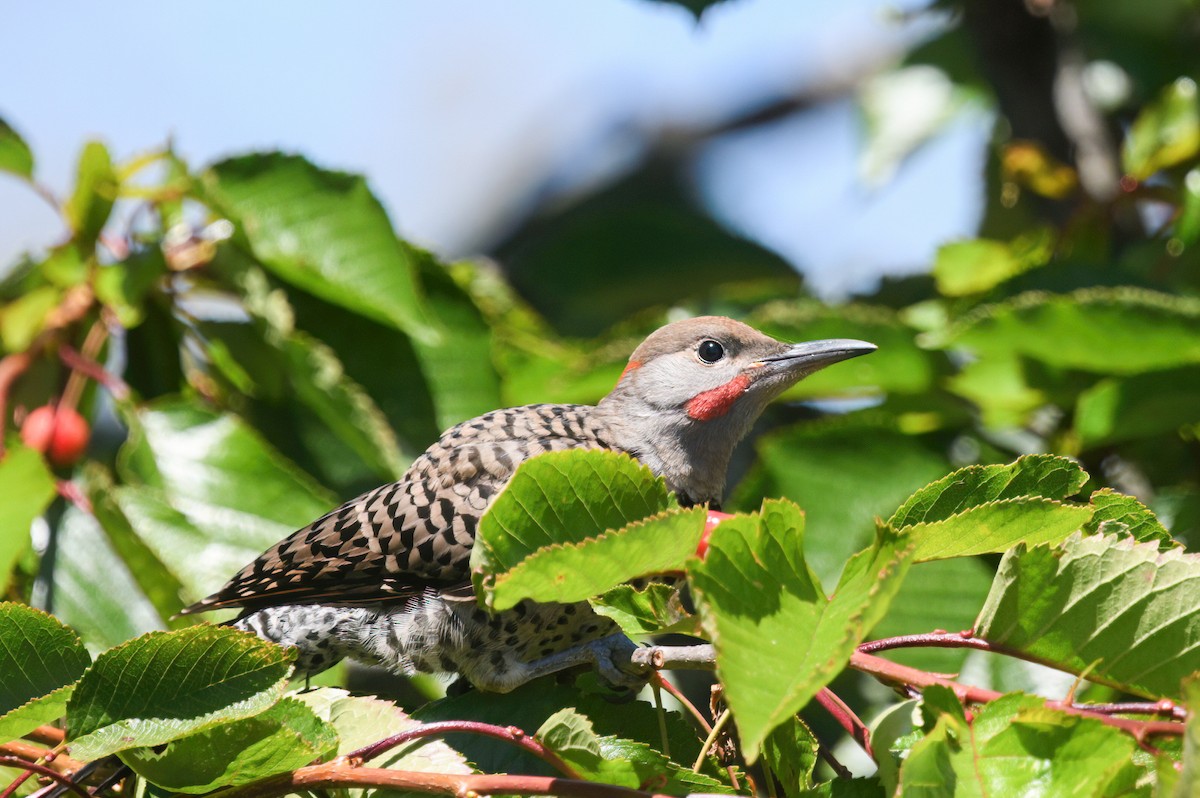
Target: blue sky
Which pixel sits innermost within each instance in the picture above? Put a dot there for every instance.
(458, 110)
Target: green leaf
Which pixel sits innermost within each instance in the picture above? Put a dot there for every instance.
(458, 367)
(22, 319)
(844, 472)
(41, 659)
(989, 509)
(161, 587)
(1047, 476)
(963, 268)
(1045, 602)
(1116, 513)
(1116, 410)
(26, 489)
(790, 754)
(616, 761)
(221, 476)
(123, 287)
(1188, 785)
(1166, 132)
(323, 231)
(15, 155)
(94, 590)
(569, 572)
(1016, 746)
(1101, 330)
(166, 685)
(530, 705)
(285, 737)
(561, 498)
(96, 189)
(778, 639)
(1187, 224)
(320, 382)
(362, 720)
(654, 608)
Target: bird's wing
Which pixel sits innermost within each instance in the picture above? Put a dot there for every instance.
(396, 539)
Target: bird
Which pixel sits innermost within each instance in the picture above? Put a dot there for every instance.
(384, 579)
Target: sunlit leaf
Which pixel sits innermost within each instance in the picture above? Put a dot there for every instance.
(41, 659)
(323, 231)
(1124, 612)
(1015, 746)
(1138, 406)
(15, 156)
(778, 639)
(166, 685)
(1166, 132)
(963, 268)
(1103, 330)
(562, 498)
(26, 488)
(285, 737)
(96, 188)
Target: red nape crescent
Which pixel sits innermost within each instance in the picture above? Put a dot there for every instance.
(716, 402)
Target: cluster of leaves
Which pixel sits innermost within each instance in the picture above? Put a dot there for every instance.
(205, 708)
(252, 342)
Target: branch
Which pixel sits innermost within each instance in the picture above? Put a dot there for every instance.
(509, 734)
(29, 752)
(703, 657)
(341, 773)
(846, 718)
(43, 770)
(93, 370)
(966, 639)
(894, 673)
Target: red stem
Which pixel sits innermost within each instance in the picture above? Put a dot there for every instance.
(894, 673)
(846, 718)
(93, 370)
(341, 773)
(42, 770)
(682, 699)
(509, 734)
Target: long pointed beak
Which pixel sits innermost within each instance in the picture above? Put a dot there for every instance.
(812, 355)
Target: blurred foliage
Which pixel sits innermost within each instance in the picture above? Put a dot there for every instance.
(252, 342)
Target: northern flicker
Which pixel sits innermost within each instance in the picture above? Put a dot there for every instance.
(385, 579)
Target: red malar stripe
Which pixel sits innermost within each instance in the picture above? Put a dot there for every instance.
(716, 403)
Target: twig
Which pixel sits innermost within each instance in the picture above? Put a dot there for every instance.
(42, 770)
(341, 773)
(47, 734)
(703, 657)
(656, 688)
(841, 770)
(697, 658)
(71, 492)
(719, 724)
(509, 734)
(846, 718)
(1164, 708)
(93, 370)
(895, 673)
(91, 346)
(29, 752)
(658, 679)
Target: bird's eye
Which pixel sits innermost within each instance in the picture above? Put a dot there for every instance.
(710, 351)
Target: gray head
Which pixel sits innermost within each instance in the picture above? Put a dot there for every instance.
(694, 388)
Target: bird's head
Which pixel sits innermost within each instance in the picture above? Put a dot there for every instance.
(699, 385)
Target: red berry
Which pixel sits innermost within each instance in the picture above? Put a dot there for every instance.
(60, 434)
